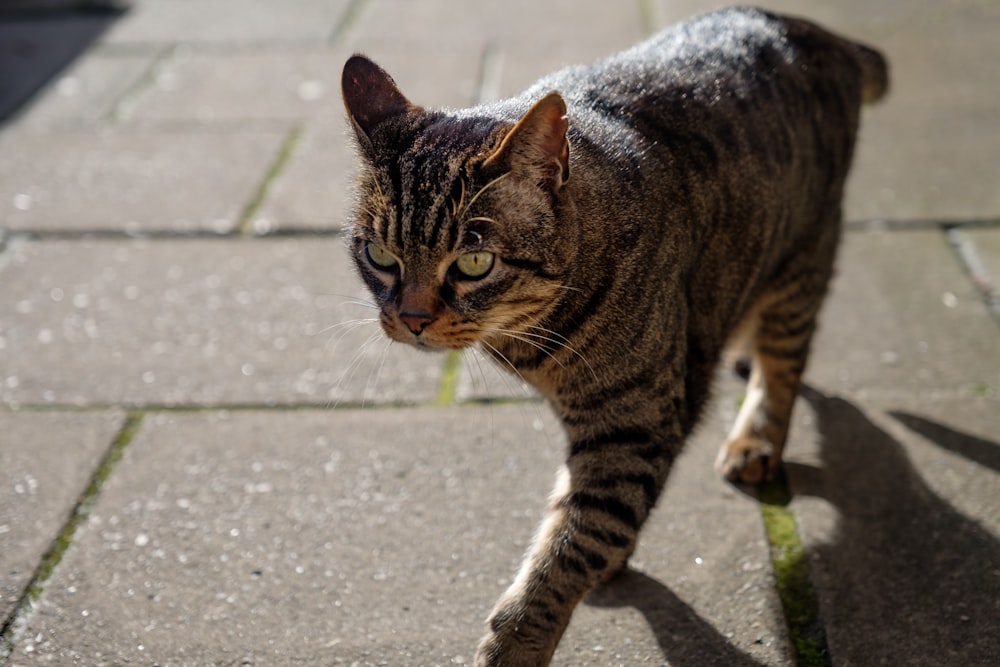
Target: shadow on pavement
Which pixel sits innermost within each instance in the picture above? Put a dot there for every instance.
(38, 39)
(684, 637)
(905, 579)
(973, 448)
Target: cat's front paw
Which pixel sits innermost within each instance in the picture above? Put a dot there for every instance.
(499, 650)
(749, 460)
(513, 643)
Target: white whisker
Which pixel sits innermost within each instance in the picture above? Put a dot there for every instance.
(371, 387)
(526, 338)
(484, 189)
(350, 325)
(354, 364)
(499, 355)
(505, 378)
(563, 342)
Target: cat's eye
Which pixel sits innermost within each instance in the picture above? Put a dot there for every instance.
(378, 256)
(474, 264)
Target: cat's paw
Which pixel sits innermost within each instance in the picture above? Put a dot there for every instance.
(749, 460)
(512, 642)
(498, 650)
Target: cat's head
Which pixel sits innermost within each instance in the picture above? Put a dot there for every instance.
(460, 226)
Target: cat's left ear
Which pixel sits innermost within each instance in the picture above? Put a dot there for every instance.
(371, 96)
(537, 146)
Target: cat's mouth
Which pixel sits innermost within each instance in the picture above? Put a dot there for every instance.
(429, 337)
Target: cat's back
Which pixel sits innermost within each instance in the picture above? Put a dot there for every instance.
(735, 58)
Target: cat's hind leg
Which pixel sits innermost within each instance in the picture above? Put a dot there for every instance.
(778, 331)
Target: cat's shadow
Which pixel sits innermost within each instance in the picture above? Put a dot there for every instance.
(684, 637)
(906, 578)
(903, 575)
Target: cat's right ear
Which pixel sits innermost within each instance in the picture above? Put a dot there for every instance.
(537, 147)
(371, 97)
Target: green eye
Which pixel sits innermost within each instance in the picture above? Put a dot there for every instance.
(474, 264)
(378, 256)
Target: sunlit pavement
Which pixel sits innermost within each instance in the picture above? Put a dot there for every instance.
(210, 456)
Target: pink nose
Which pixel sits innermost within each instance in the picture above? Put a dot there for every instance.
(416, 322)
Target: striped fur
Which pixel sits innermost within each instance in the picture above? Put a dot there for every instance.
(605, 242)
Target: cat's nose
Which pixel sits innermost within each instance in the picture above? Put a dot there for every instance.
(416, 322)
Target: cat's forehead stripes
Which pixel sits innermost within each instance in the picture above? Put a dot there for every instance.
(420, 209)
(426, 182)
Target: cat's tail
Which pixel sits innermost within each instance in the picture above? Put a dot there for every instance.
(872, 64)
(874, 72)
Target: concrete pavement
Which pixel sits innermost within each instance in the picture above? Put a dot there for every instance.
(210, 456)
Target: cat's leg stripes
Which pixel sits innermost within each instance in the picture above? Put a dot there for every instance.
(598, 506)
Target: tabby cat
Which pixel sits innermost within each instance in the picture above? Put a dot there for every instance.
(604, 235)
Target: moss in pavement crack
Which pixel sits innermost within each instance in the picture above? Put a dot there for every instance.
(791, 572)
(448, 388)
(64, 539)
(246, 221)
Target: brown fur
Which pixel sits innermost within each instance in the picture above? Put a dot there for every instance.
(665, 200)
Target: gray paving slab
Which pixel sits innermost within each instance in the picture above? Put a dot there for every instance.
(196, 322)
(133, 181)
(987, 249)
(208, 86)
(46, 462)
(903, 319)
(898, 504)
(227, 22)
(86, 93)
(314, 190)
(291, 83)
(494, 36)
(378, 537)
(35, 49)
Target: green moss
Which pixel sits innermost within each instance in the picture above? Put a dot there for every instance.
(647, 17)
(791, 572)
(448, 389)
(284, 153)
(348, 18)
(983, 389)
(64, 539)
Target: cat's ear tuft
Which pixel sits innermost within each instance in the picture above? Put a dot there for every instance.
(370, 95)
(537, 146)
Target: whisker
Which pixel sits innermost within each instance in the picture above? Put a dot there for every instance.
(336, 339)
(353, 324)
(351, 299)
(353, 365)
(371, 387)
(563, 342)
(478, 356)
(538, 340)
(527, 339)
(364, 304)
(531, 411)
(481, 218)
(456, 207)
(499, 355)
(484, 189)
